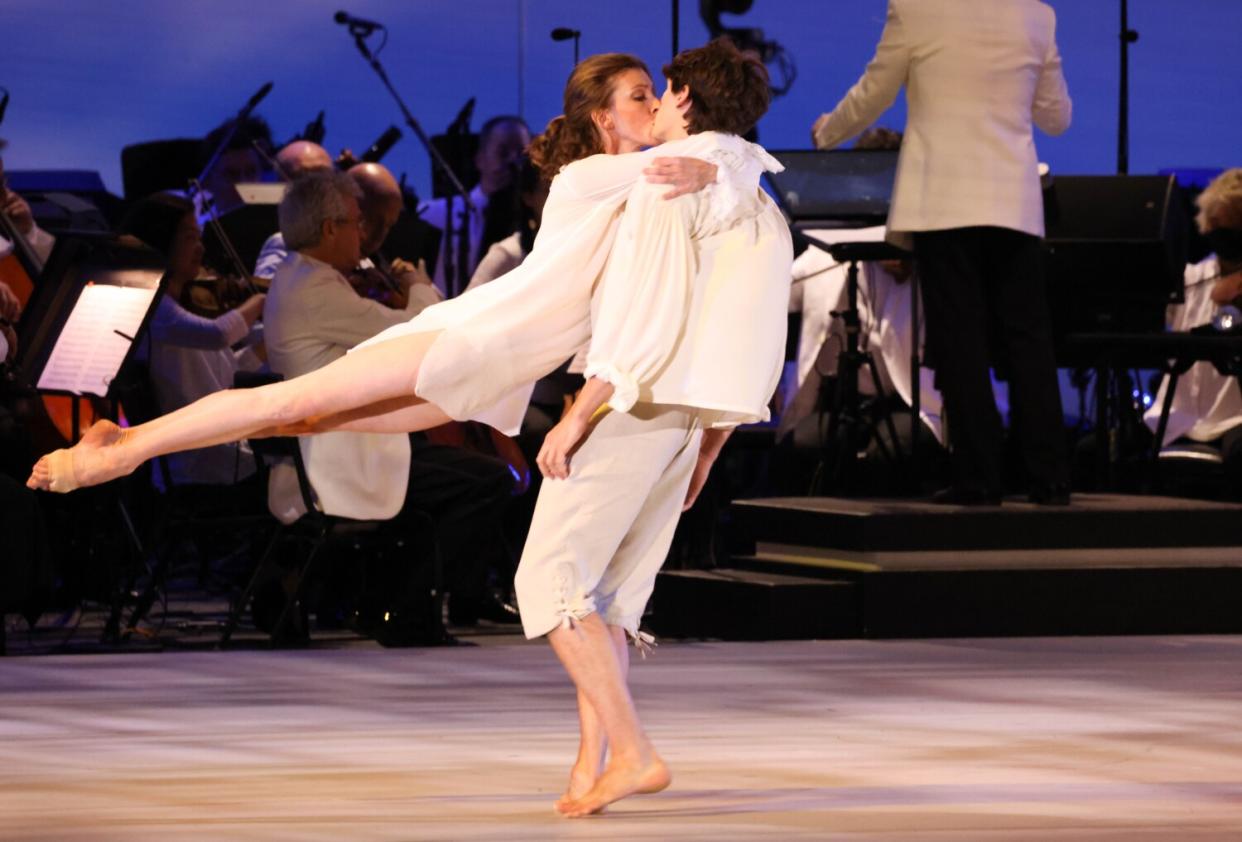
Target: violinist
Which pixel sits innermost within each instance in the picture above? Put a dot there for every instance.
(398, 284)
(190, 356)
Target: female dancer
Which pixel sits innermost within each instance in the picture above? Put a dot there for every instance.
(427, 371)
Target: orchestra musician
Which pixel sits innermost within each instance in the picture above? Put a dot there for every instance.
(502, 143)
(1207, 405)
(189, 355)
(313, 317)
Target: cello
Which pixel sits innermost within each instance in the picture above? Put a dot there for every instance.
(55, 418)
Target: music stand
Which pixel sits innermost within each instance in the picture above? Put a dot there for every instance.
(80, 327)
(849, 189)
(247, 226)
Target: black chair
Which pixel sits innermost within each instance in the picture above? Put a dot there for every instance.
(316, 533)
(180, 511)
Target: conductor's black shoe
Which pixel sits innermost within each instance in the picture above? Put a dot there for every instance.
(1050, 494)
(964, 495)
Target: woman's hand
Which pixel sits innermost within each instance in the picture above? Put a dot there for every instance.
(560, 444)
(687, 175)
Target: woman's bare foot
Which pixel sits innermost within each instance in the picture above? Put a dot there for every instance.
(581, 780)
(93, 460)
(620, 780)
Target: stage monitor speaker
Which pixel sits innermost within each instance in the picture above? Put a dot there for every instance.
(1115, 253)
(157, 165)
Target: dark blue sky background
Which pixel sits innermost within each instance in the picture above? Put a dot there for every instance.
(88, 78)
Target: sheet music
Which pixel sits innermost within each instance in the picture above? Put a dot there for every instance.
(91, 347)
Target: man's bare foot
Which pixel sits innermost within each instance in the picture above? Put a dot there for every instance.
(581, 780)
(93, 460)
(619, 781)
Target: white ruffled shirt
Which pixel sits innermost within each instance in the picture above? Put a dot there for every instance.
(691, 310)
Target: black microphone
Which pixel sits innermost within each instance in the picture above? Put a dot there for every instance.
(361, 26)
(4, 103)
(382, 144)
(564, 33)
(258, 97)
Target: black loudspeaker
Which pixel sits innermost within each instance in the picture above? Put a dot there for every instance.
(158, 165)
(1115, 253)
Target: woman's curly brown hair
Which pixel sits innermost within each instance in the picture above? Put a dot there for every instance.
(573, 135)
(729, 89)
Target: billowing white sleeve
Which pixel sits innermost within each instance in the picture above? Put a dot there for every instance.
(640, 311)
(605, 178)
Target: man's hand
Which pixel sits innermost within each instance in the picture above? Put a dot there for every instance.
(687, 175)
(698, 479)
(560, 444)
(408, 274)
(817, 130)
(18, 210)
(10, 307)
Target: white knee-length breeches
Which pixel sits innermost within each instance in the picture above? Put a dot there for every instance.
(598, 538)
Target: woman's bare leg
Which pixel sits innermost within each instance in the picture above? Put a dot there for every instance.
(369, 376)
(587, 653)
(593, 742)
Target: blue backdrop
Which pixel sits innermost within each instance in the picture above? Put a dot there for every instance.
(88, 78)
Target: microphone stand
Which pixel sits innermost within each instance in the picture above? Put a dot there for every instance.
(1128, 37)
(360, 34)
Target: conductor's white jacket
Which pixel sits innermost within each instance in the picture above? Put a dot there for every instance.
(978, 74)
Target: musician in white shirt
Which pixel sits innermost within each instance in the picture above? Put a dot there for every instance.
(1207, 405)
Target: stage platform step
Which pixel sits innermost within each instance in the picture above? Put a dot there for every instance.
(1093, 521)
(754, 605)
(1108, 564)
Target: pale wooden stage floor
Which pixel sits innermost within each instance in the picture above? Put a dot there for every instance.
(1126, 739)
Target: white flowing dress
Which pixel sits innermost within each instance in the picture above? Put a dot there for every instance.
(496, 340)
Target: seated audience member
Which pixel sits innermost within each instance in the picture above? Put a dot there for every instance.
(502, 143)
(313, 317)
(293, 161)
(1207, 407)
(190, 356)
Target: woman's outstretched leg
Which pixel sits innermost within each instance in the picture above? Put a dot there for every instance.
(587, 653)
(593, 742)
(374, 375)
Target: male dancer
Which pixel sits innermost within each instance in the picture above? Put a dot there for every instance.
(688, 334)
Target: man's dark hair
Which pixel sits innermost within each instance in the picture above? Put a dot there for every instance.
(495, 123)
(728, 88)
